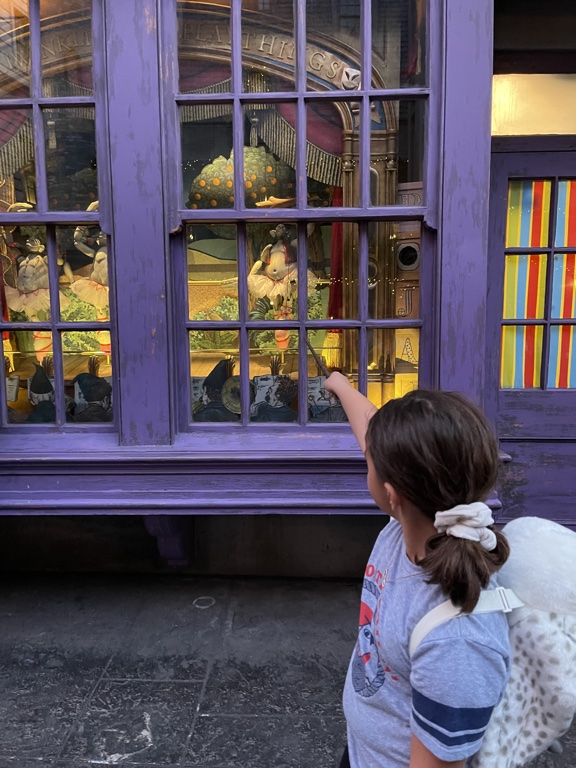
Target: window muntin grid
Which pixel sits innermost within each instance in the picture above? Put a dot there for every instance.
(56, 327)
(539, 285)
(374, 330)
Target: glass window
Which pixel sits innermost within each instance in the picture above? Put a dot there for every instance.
(55, 276)
(66, 46)
(539, 285)
(533, 104)
(295, 262)
(14, 50)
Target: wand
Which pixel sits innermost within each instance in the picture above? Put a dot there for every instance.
(317, 358)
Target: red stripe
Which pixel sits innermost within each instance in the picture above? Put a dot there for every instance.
(571, 214)
(529, 354)
(532, 287)
(568, 293)
(536, 230)
(564, 361)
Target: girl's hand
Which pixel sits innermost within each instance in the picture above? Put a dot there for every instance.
(335, 382)
(359, 409)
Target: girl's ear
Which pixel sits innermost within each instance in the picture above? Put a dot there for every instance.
(394, 498)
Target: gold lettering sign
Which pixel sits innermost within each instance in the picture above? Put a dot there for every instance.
(198, 38)
(258, 45)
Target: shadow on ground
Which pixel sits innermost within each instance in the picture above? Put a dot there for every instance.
(177, 671)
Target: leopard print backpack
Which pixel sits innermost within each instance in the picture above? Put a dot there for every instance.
(538, 593)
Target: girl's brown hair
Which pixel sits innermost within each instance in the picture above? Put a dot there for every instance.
(437, 450)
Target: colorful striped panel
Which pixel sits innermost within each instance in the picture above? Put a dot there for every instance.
(524, 286)
(563, 286)
(521, 356)
(562, 362)
(528, 217)
(566, 214)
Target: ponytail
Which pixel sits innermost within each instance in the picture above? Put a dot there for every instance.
(462, 568)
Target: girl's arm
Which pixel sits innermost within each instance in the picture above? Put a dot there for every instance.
(358, 408)
(421, 757)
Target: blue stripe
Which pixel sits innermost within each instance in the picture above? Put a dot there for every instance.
(451, 718)
(558, 273)
(522, 286)
(561, 213)
(525, 222)
(519, 350)
(448, 741)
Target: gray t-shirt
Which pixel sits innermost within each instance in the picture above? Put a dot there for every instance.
(445, 694)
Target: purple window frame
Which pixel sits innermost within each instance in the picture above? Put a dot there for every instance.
(138, 147)
(43, 216)
(365, 213)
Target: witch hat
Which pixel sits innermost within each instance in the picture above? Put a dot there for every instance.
(217, 376)
(94, 389)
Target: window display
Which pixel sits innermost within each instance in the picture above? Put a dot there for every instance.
(292, 165)
(350, 285)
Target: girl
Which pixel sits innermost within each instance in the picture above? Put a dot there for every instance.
(432, 461)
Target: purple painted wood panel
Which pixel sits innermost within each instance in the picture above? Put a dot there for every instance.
(464, 195)
(138, 232)
(540, 480)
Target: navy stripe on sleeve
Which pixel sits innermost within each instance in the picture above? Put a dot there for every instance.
(471, 737)
(450, 719)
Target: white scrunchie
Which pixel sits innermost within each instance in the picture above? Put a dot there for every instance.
(468, 521)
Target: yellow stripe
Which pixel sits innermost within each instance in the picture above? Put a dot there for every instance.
(510, 286)
(508, 357)
(541, 285)
(538, 355)
(514, 213)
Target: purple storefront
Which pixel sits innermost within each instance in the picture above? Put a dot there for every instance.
(204, 203)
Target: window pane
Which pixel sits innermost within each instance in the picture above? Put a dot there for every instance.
(66, 47)
(30, 379)
(268, 51)
(14, 50)
(84, 280)
(331, 145)
(273, 281)
(337, 349)
(564, 285)
(398, 43)
(524, 286)
(208, 159)
(26, 294)
(332, 253)
(87, 376)
(533, 104)
(204, 49)
(528, 216)
(17, 162)
(323, 407)
(396, 150)
(394, 270)
(214, 376)
(70, 141)
(521, 356)
(393, 356)
(562, 360)
(212, 272)
(566, 214)
(275, 399)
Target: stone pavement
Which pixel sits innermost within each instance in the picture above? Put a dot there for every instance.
(157, 671)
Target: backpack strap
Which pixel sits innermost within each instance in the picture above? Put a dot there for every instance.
(491, 600)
